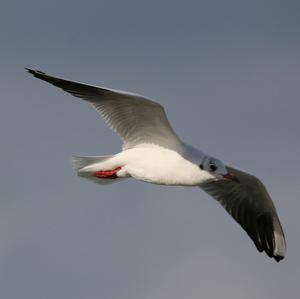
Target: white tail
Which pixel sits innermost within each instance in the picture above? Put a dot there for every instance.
(79, 163)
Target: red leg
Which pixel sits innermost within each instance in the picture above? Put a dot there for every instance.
(107, 174)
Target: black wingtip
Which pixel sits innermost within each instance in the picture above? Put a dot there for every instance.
(278, 258)
(34, 72)
(31, 71)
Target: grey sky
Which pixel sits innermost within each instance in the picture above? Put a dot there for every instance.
(228, 74)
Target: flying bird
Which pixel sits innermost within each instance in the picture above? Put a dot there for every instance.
(152, 152)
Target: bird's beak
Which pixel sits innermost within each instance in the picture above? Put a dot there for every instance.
(231, 177)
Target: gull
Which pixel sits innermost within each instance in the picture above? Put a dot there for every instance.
(152, 152)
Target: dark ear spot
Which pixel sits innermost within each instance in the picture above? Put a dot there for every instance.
(201, 166)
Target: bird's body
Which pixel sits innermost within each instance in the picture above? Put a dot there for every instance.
(153, 164)
(152, 152)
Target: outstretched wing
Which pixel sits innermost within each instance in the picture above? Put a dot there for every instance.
(249, 203)
(136, 119)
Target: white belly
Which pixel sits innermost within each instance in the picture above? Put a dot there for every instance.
(158, 165)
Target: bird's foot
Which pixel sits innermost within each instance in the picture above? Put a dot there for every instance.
(107, 174)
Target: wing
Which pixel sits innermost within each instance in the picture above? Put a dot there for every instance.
(249, 203)
(136, 119)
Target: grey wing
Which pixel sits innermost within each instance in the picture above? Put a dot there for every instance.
(136, 119)
(249, 203)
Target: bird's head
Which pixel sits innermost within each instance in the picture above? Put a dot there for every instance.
(217, 169)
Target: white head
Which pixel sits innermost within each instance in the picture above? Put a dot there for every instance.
(216, 169)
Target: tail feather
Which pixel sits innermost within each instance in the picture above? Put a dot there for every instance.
(79, 163)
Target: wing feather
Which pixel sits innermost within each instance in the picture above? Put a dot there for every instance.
(136, 119)
(249, 203)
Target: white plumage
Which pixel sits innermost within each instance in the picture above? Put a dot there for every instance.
(152, 152)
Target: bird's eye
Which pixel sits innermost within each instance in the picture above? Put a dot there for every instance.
(201, 166)
(212, 167)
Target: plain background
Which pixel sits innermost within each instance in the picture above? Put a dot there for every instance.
(228, 74)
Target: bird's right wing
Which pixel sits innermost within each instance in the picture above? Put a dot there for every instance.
(136, 119)
(249, 203)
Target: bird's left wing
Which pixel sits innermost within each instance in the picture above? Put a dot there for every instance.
(249, 203)
(136, 119)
